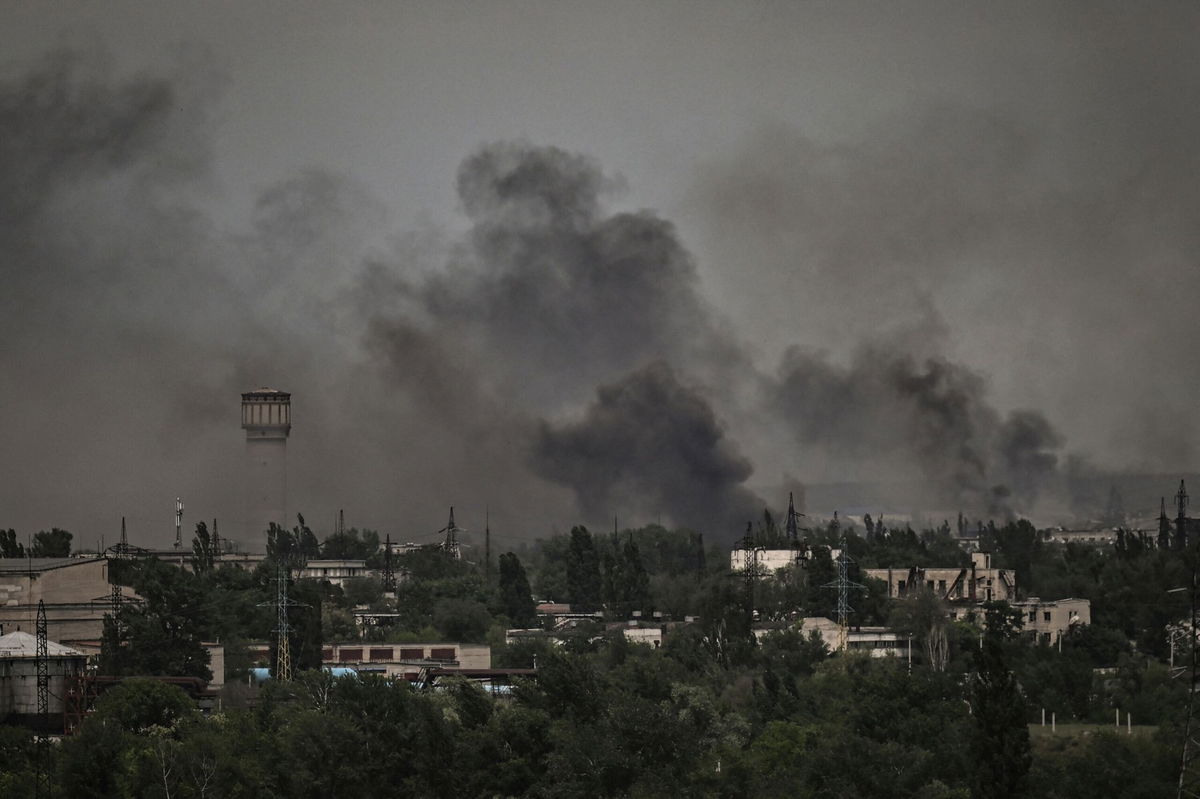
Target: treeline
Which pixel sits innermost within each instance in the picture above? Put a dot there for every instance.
(52, 543)
(718, 711)
(606, 718)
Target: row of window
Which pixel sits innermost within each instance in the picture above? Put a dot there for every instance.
(387, 653)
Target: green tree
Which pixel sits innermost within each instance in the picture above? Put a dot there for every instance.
(162, 634)
(515, 598)
(583, 571)
(292, 549)
(462, 620)
(203, 550)
(1000, 744)
(9, 546)
(631, 584)
(55, 543)
(922, 615)
(350, 545)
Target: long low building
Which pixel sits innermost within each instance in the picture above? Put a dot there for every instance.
(876, 642)
(75, 591)
(395, 660)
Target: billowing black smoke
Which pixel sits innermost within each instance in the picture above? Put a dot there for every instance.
(547, 297)
(422, 376)
(558, 296)
(906, 417)
(651, 443)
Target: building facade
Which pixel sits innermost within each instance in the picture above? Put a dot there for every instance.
(979, 582)
(75, 590)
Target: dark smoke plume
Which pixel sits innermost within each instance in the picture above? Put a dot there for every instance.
(547, 297)
(556, 296)
(649, 443)
(424, 374)
(896, 416)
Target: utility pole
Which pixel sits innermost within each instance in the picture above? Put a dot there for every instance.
(750, 568)
(43, 699)
(389, 573)
(114, 578)
(793, 523)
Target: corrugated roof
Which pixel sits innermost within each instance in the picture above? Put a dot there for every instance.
(23, 645)
(40, 564)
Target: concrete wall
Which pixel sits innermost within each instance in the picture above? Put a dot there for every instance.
(650, 636)
(1050, 620)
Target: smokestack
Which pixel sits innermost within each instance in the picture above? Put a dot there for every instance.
(267, 420)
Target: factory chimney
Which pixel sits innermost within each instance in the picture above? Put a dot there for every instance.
(267, 420)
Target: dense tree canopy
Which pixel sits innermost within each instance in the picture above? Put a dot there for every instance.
(738, 701)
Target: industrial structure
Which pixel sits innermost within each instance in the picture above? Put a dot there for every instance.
(767, 553)
(267, 420)
(34, 672)
(979, 582)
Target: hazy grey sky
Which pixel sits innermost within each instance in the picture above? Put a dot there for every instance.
(1009, 188)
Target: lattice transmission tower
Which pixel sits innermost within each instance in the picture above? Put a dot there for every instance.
(844, 585)
(450, 543)
(283, 629)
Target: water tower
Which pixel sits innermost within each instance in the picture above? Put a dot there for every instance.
(267, 420)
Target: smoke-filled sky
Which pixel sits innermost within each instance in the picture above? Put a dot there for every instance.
(560, 262)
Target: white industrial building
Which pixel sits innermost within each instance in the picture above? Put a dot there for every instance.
(767, 560)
